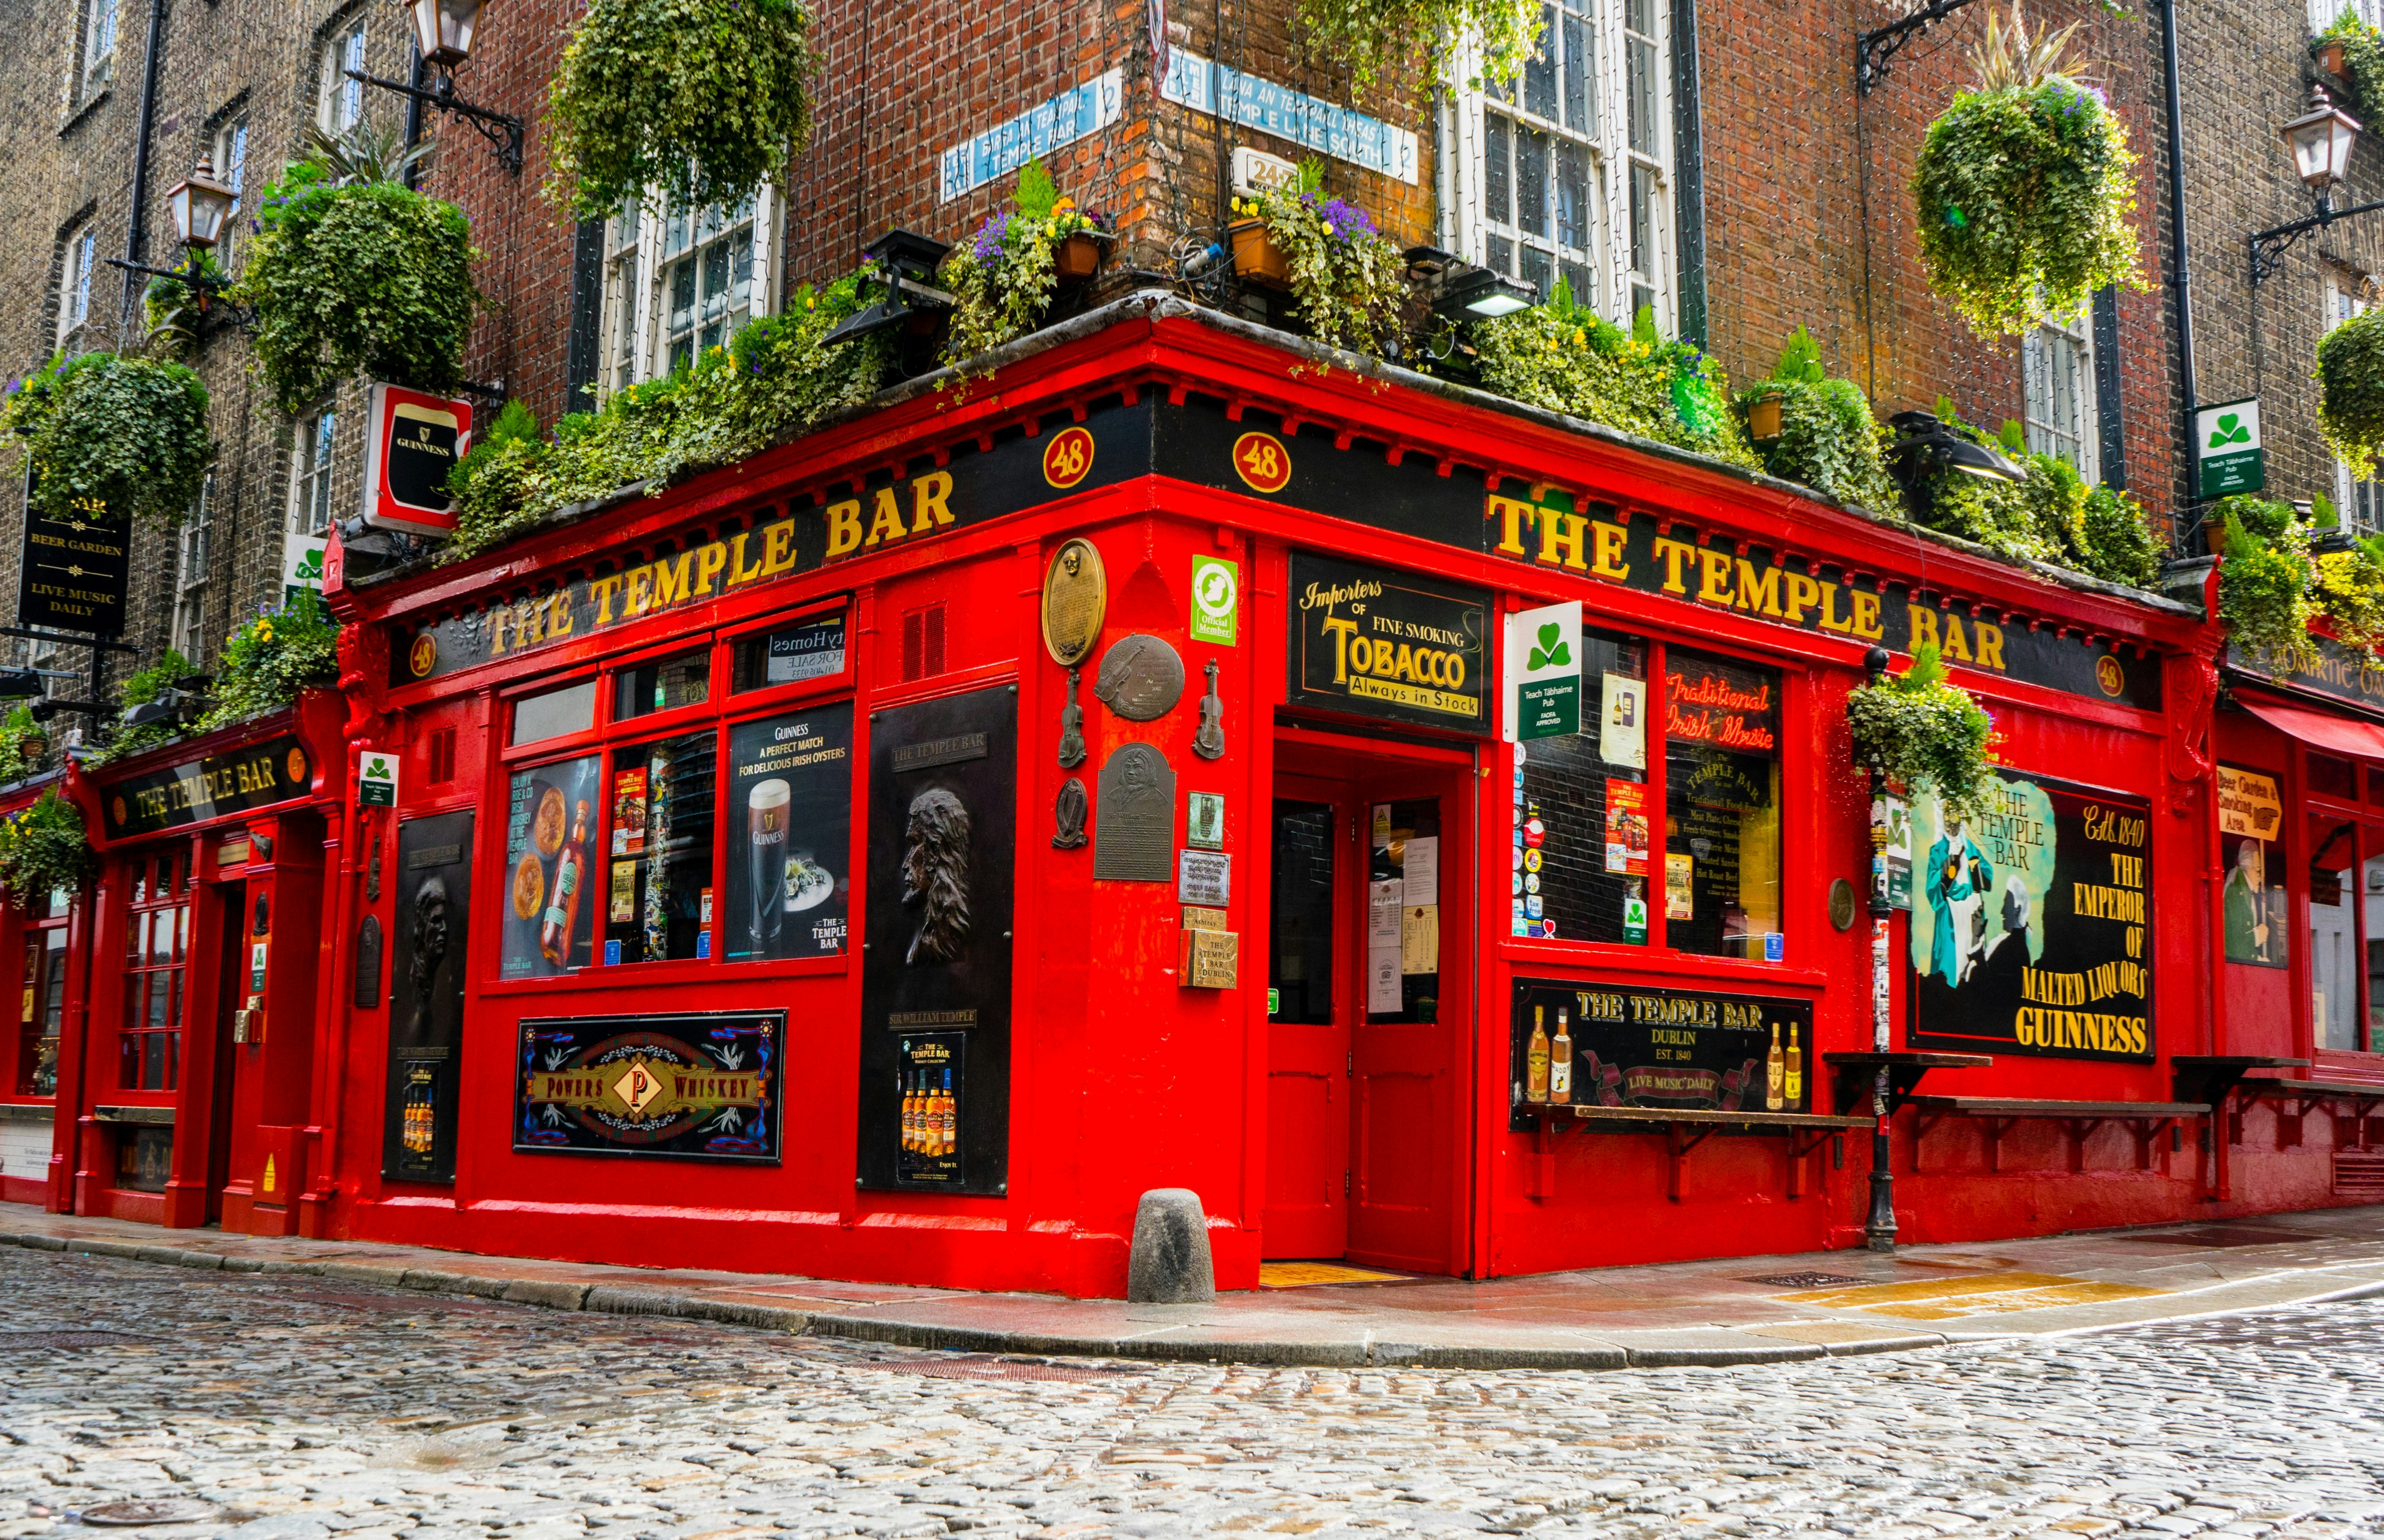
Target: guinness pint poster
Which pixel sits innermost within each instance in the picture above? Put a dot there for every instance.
(700, 1086)
(2030, 923)
(790, 835)
(943, 822)
(1380, 643)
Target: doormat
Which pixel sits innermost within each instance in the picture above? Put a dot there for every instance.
(1310, 1274)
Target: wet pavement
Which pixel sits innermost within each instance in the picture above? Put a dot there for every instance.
(1718, 1312)
(304, 1409)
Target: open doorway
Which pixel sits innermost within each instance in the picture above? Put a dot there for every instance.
(1370, 976)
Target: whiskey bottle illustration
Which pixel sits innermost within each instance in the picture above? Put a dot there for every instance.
(562, 909)
(1775, 1073)
(1560, 1063)
(948, 1119)
(910, 1111)
(1535, 1080)
(1795, 1078)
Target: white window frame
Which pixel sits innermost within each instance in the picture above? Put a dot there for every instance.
(193, 553)
(640, 260)
(231, 158)
(75, 271)
(1468, 225)
(2322, 13)
(314, 456)
(100, 19)
(2359, 504)
(2054, 347)
(340, 102)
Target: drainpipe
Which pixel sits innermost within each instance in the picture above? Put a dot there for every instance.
(136, 240)
(2179, 262)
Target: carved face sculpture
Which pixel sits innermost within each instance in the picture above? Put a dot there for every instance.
(935, 875)
(429, 937)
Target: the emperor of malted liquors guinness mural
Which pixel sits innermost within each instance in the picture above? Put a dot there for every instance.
(2030, 923)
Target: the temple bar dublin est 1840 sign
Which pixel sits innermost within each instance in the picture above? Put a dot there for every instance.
(1634, 1046)
(1380, 643)
(258, 775)
(73, 572)
(700, 1087)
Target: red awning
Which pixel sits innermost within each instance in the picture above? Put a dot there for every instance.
(2335, 735)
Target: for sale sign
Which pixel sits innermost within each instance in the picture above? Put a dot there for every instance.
(414, 439)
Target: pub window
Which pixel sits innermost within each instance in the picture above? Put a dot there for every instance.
(2057, 374)
(340, 100)
(1579, 863)
(74, 286)
(2329, 776)
(1721, 806)
(43, 985)
(310, 473)
(680, 282)
(156, 946)
(729, 841)
(98, 47)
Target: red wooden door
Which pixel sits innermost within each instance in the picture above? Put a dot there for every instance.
(1311, 911)
(1412, 1014)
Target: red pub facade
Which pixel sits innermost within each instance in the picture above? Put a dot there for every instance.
(889, 856)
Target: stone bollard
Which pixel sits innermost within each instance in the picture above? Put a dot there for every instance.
(1169, 1263)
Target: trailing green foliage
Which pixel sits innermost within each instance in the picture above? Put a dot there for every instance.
(2267, 578)
(1828, 439)
(268, 661)
(1924, 733)
(113, 437)
(2363, 52)
(173, 307)
(2050, 515)
(703, 99)
(1001, 278)
(2351, 377)
(16, 757)
(1348, 282)
(2024, 190)
(44, 848)
(1566, 358)
(775, 376)
(354, 272)
(2120, 545)
(139, 689)
(1372, 37)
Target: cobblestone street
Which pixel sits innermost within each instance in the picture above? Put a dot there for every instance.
(307, 1408)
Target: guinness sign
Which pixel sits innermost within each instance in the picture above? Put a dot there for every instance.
(415, 441)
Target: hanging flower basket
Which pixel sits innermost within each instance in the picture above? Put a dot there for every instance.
(1078, 256)
(113, 436)
(1257, 259)
(2330, 55)
(44, 849)
(2025, 189)
(2351, 377)
(1924, 734)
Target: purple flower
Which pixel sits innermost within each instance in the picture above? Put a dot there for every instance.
(1345, 219)
(988, 244)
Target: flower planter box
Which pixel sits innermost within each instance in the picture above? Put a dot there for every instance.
(1763, 418)
(2329, 56)
(1257, 259)
(1077, 257)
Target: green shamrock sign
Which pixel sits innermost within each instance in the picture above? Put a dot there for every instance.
(2230, 430)
(1551, 651)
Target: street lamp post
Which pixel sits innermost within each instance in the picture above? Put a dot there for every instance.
(2320, 142)
(442, 31)
(199, 205)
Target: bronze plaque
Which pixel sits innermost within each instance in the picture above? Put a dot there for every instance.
(1209, 959)
(1135, 838)
(1075, 601)
(1141, 678)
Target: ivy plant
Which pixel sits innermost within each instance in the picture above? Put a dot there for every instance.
(1566, 358)
(705, 100)
(352, 272)
(43, 847)
(2267, 578)
(2350, 381)
(266, 662)
(1372, 38)
(1827, 438)
(141, 687)
(1348, 282)
(111, 436)
(1924, 733)
(2025, 189)
(17, 730)
(775, 377)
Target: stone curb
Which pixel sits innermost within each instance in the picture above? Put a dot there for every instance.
(632, 1300)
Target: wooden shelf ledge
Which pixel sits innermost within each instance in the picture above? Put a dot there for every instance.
(1855, 1076)
(1684, 1128)
(2078, 1119)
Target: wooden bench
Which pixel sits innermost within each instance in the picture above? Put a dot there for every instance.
(2305, 1097)
(1684, 1128)
(1855, 1075)
(2079, 1118)
(2224, 1081)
